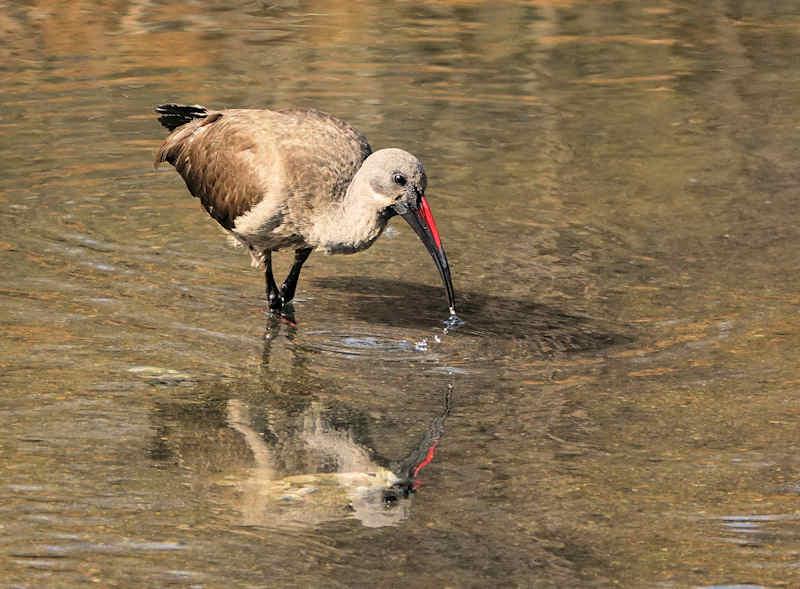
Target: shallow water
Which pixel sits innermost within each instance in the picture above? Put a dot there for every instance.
(616, 184)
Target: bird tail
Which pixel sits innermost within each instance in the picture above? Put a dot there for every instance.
(173, 116)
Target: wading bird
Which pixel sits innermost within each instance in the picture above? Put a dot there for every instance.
(299, 179)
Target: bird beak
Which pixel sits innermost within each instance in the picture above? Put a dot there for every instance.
(419, 216)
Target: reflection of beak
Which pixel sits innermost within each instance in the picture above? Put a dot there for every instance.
(419, 216)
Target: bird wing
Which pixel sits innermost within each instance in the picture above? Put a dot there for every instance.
(283, 161)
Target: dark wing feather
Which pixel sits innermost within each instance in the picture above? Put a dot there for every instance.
(173, 116)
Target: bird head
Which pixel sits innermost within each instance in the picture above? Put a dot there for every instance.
(397, 183)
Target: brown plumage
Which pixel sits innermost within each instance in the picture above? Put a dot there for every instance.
(295, 178)
(233, 159)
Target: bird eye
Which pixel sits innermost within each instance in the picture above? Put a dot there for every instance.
(399, 179)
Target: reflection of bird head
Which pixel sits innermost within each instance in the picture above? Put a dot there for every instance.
(308, 500)
(385, 499)
(369, 487)
(377, 498)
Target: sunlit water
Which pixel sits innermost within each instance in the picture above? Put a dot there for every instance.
(616, 184)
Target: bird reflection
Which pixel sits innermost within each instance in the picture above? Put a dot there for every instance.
(288, 453)
(338, 476)
(311, 466)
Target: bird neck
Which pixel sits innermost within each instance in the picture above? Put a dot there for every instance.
(352, 223)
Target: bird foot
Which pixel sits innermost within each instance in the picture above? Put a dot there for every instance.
(274, 301)
(278, 306)
(284, 313)
(287, 317)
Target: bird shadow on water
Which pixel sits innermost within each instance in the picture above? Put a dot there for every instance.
(542, 328)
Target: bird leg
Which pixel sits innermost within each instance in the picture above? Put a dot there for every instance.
(290, 284)
(274, 301)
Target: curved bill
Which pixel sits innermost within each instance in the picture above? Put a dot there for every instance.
(421, 221)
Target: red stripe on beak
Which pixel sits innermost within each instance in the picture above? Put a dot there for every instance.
(428, 216)
(421, 220)
(425, 462)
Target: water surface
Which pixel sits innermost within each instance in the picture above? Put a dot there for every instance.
(616, 184)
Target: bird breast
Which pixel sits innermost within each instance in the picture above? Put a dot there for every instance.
(346, 230)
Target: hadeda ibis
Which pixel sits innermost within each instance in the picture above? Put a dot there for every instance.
(299, 179)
